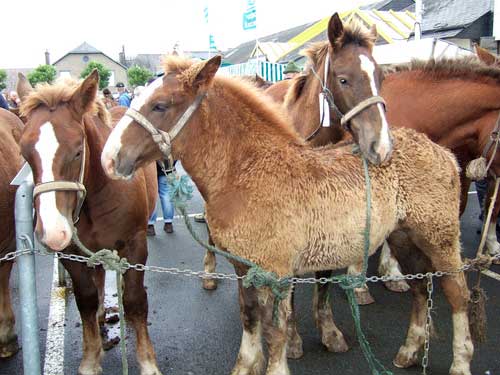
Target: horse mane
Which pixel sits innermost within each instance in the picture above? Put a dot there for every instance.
(467, 67)
(60, 92)
(246, 92)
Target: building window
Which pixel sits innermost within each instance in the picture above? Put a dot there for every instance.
(85, 59)
(65, 74)
(111, 79)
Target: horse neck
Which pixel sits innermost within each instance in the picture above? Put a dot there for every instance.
(304, 112)
(448, 111)
(95, 133)
(225, 140)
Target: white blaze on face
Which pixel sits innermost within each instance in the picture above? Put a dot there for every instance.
(114, 142)
(384, 143)
(57, 231)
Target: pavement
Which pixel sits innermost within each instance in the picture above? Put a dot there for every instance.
(198, 332)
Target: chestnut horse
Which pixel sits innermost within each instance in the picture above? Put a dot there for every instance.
(10, 163)
(63, 139)
(292, 209)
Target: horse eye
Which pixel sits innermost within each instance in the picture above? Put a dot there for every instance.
(343, 81)
(78, 155)
(160, 107)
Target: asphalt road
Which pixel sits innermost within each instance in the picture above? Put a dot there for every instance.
(198, 332)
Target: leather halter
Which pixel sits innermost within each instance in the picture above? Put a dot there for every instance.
(161, 138)
(61, 185)
(492, 142)
(353, 112)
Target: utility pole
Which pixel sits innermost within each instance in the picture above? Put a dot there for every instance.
(418, 21)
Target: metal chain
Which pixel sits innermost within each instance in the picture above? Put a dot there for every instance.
(225, 276)
(428, 323)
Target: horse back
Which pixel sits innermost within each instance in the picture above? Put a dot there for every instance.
(10, 163)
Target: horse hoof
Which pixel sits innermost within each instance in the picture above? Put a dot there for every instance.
(405, 359)
(399, 286)
(10, 348)
(209, 284)
(336, 344)
(363, 297)
(294, 350)
(464, 370)
(90, 371)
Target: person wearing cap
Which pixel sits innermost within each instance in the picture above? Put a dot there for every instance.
(291, 70)
(123, 97)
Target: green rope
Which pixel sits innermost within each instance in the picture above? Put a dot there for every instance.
(111, 261)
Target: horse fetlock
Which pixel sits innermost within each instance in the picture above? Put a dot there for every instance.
(9, 346)
(460, 370)
(406, 357)
(88, 369)
(243, 367)
(363, 296)
(150, 369)
(294, 348)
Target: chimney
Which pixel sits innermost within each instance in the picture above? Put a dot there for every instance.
(121, 56)
(47, 57)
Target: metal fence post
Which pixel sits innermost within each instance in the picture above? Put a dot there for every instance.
(27, 281)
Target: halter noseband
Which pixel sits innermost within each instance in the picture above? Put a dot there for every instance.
(164, 139)
(353, 112)
(61, 185)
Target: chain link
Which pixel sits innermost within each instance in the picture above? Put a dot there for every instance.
(428, 323)
(14, 254)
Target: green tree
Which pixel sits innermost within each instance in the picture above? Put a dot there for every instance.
(104, 73)
(43, 73)
(138, 76)
(3, 78)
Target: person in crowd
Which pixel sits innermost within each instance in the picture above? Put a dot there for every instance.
(108, 99)
(124, 98)
(14, 100)
(291, 70)
(3, 102)
(164, 193)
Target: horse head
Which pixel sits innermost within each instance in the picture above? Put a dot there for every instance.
(350, 82)
(54, 145)
(154, 119)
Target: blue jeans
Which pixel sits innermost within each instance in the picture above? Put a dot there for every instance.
(166, 204)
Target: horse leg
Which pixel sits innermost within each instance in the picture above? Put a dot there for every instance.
(362, 294)
(135, 301)
(8, 337)
(99, 281)
(275, 330)
(294, 345)
(331, 336)
(389, 266)
(251, 356)
(408, 353)
(209, 263)
(87, 300)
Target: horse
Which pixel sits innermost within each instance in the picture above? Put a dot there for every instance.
(258, 81)
(290, 208)
(10, 163)
(410, 103)
(62, 142)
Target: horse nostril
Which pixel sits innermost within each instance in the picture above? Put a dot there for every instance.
(373, 147)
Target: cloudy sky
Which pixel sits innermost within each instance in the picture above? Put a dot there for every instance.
(142, 26)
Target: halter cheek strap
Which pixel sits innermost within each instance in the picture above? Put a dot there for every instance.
(161, 138)
(76, 186)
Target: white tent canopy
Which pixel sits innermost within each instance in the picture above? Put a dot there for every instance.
(424, 49)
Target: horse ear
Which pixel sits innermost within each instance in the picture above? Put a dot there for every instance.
(24, 87)
(85, 94)
(485, 56)
(207, 72)
(335, 28)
